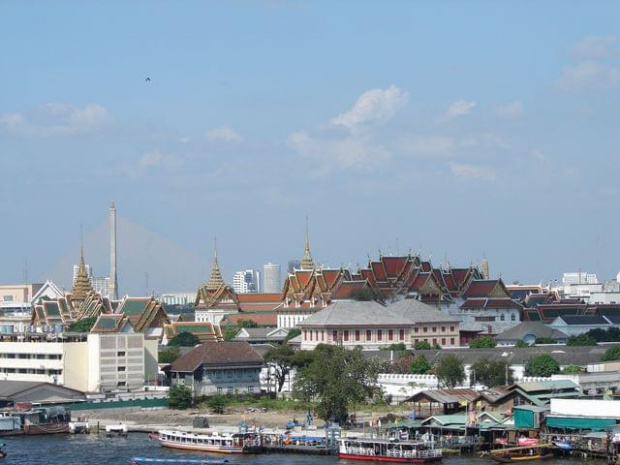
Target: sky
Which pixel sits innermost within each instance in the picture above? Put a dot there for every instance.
(450, 129)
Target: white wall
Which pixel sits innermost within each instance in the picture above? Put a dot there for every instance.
(586, 408)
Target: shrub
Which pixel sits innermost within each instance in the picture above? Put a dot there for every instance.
(180, 397)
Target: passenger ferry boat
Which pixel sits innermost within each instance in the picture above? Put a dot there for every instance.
(214, 442)
(388, 450)
(521, 454)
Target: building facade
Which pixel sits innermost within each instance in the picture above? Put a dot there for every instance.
(271, 278)
(246, 282)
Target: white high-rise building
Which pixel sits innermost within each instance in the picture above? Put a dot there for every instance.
(271, 278)
(246, 282)
(579, 278)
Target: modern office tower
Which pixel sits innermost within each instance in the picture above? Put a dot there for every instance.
(246, 282)
(271, 278)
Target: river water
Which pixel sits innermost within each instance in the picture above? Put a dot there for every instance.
(100, 450)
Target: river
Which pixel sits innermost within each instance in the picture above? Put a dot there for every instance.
(100, 450)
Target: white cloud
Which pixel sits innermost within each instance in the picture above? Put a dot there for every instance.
(358, 154)
(373, 106)
(539, 157)
(56, 119)
(158, 159)
(427, 146)
(484, 173)
(224, 133)
(510, 110)
(596, 47)
(459, 108)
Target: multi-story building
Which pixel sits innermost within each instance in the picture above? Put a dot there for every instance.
(100, 284)
(178, 298)
(372, 325)
(223, 367)
(271, 278)
(86, 362)
(246, 282)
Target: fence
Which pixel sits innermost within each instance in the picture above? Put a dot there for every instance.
(141, 403)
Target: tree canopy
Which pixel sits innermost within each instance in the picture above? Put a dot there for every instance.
(491, 373)
(280, 359)
(613, 353)
(484, 342)
(581, 340)
(450, 371)
(542, 365)
(420, 366)
(422, 345)
(168, 355)
(184, 339)
(84, 325)
(180, 397)
(336, 378)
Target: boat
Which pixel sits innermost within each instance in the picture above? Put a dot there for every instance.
(79, 427)
(116, 430)
(388, 450)
(521, 454)
(2, 452)
(166, 461)
(45, 420)
(563, 445)
(214, 442)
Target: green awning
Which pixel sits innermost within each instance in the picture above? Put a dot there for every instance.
(579, 422)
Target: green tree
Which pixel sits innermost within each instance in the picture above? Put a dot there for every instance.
(396, 347)
(484, 342)
(450, 371)
(248, 324)
(420, 366)
(280, 360)
(292, 333)
(218, 402)
(337, 378)
(168, 355)
(491, 373)
(542, 365)
(365, 294)
(581, 340)
(422, 345)
(521, 344)
(179, 397)
(83, 326)
(613, 353)
(571, 369)
(184, 339)
(545, 340)
(230, 331)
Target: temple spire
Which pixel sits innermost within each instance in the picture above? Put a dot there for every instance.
(306, 262)
(81, 286)
(215, 281)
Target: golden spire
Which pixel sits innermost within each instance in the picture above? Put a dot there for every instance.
(81, 286)
(215, 281)
(306, 262)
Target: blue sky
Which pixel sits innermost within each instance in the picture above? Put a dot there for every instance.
(458, 128)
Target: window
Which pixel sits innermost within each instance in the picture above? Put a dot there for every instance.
(250, 389)
(368, 335)
(219, 390)
(310, 335)
(357, 335)
(443, 329)
(346, 336)
(229, 374)
(379, 335)
(305, 334)
(322, 335)
(502, 317)
(451, 329)
(452, 341)
(425, 329)
(434, 329)
(230, 390)
(443, 341)
(513, 317)
(120, 369)
(335, 336)
(121, 384)
(434, 341)
(416, 329)
(120, 354)
(402, 335)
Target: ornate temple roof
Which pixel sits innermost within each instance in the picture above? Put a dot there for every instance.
(216, 280)
(306, 261)
(82, 286)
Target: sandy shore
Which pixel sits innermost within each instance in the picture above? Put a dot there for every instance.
(154, 419)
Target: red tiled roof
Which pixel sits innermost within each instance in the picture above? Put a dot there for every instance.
(347, 288)
(258, 307)
(377, 269)
(217, 353)
(262, 319)
(394, 265)
(303, 277)
(259, 298)
(481, 288)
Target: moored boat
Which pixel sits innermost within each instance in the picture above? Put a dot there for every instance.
(170, 461)
(116, 430)
(214, 442)
(388, 450)
(521, 454)
(45, 420)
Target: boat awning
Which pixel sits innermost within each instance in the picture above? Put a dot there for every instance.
(579, 422)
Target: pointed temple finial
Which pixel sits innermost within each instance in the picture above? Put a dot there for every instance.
(484, 267)
(81, 286)
(306, 262)
(215, 281)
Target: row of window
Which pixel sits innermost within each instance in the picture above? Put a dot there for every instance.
(435, 341)
(238, 373)
(32, 356)
(433, 329)
(231, 390)
(31, 371)
(356, 335)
